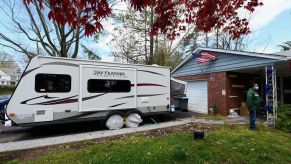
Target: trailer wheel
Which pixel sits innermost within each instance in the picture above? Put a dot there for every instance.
(133, 120)
(114, 122)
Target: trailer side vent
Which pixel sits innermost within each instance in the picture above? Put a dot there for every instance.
(40, 112)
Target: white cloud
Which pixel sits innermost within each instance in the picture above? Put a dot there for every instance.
(104, 46)
(107, 59)
(268, 12)
(267, 49)
(120, 6)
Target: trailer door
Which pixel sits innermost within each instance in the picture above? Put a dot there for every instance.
(106, 88)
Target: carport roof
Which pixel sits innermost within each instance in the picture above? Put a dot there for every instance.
(285, 55)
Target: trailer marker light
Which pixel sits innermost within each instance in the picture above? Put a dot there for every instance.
(11, 114)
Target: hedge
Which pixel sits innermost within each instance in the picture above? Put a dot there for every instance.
(6, 89)
(284, 117)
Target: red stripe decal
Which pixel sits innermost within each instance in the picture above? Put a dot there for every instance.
(147, 84)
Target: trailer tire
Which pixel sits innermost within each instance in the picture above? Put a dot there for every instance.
(114, 121)
(133, 119)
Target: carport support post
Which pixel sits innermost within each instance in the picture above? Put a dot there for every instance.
(271, 94)
(275, 99)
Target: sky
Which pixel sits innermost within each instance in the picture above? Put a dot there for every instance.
(270, 26)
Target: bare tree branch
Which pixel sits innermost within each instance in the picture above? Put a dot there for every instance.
(45, 28)
(49, 37)
(37, 31)
(2, 36)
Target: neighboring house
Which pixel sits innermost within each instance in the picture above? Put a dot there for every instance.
(223, 82)
(9, 76)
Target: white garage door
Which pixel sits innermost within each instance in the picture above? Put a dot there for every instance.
(197, 96)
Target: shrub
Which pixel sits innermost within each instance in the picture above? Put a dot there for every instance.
(6, 89)
(284, 117)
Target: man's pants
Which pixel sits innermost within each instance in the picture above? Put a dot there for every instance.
(253, 119)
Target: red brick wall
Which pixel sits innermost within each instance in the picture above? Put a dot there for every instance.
(216, 83)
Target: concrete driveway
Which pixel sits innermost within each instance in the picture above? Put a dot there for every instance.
(11, 134)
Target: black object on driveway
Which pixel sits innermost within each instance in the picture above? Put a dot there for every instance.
(198, 135)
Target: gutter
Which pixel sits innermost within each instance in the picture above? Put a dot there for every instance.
(243, 53)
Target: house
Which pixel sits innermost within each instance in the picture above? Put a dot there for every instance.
(220, 78)
(9, 76)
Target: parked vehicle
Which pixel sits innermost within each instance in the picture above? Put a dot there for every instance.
(57, 90)
(3, 102)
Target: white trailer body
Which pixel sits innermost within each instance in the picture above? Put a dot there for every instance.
(54, 90)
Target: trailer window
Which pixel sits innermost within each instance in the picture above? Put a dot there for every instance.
(100, 85)
(52, 83)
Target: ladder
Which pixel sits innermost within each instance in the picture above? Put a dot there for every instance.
(271, 94)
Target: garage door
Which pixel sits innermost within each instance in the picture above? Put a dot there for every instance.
(197, 96)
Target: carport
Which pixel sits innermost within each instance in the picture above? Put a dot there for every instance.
(222, 83)
(273, 80)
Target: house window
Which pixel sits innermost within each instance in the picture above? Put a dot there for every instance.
(101, 85)
(52, 83)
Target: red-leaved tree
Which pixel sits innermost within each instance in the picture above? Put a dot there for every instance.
(174, 15)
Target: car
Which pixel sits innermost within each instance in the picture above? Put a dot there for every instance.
(3, 102)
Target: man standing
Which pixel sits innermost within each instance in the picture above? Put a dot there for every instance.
(253, 101)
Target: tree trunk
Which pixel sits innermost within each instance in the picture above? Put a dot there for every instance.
(217, 38)
(145, 36)
(206, 40)
(63, 42)
(151, 38)
(157, 44)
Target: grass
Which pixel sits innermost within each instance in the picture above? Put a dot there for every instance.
(227, 144)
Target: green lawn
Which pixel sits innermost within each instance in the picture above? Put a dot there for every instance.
(226, 144)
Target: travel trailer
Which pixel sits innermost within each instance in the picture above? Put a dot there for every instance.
(58, 90)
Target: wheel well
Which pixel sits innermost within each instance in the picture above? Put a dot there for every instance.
(124, 113)
(133, 111)
(114, 112)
